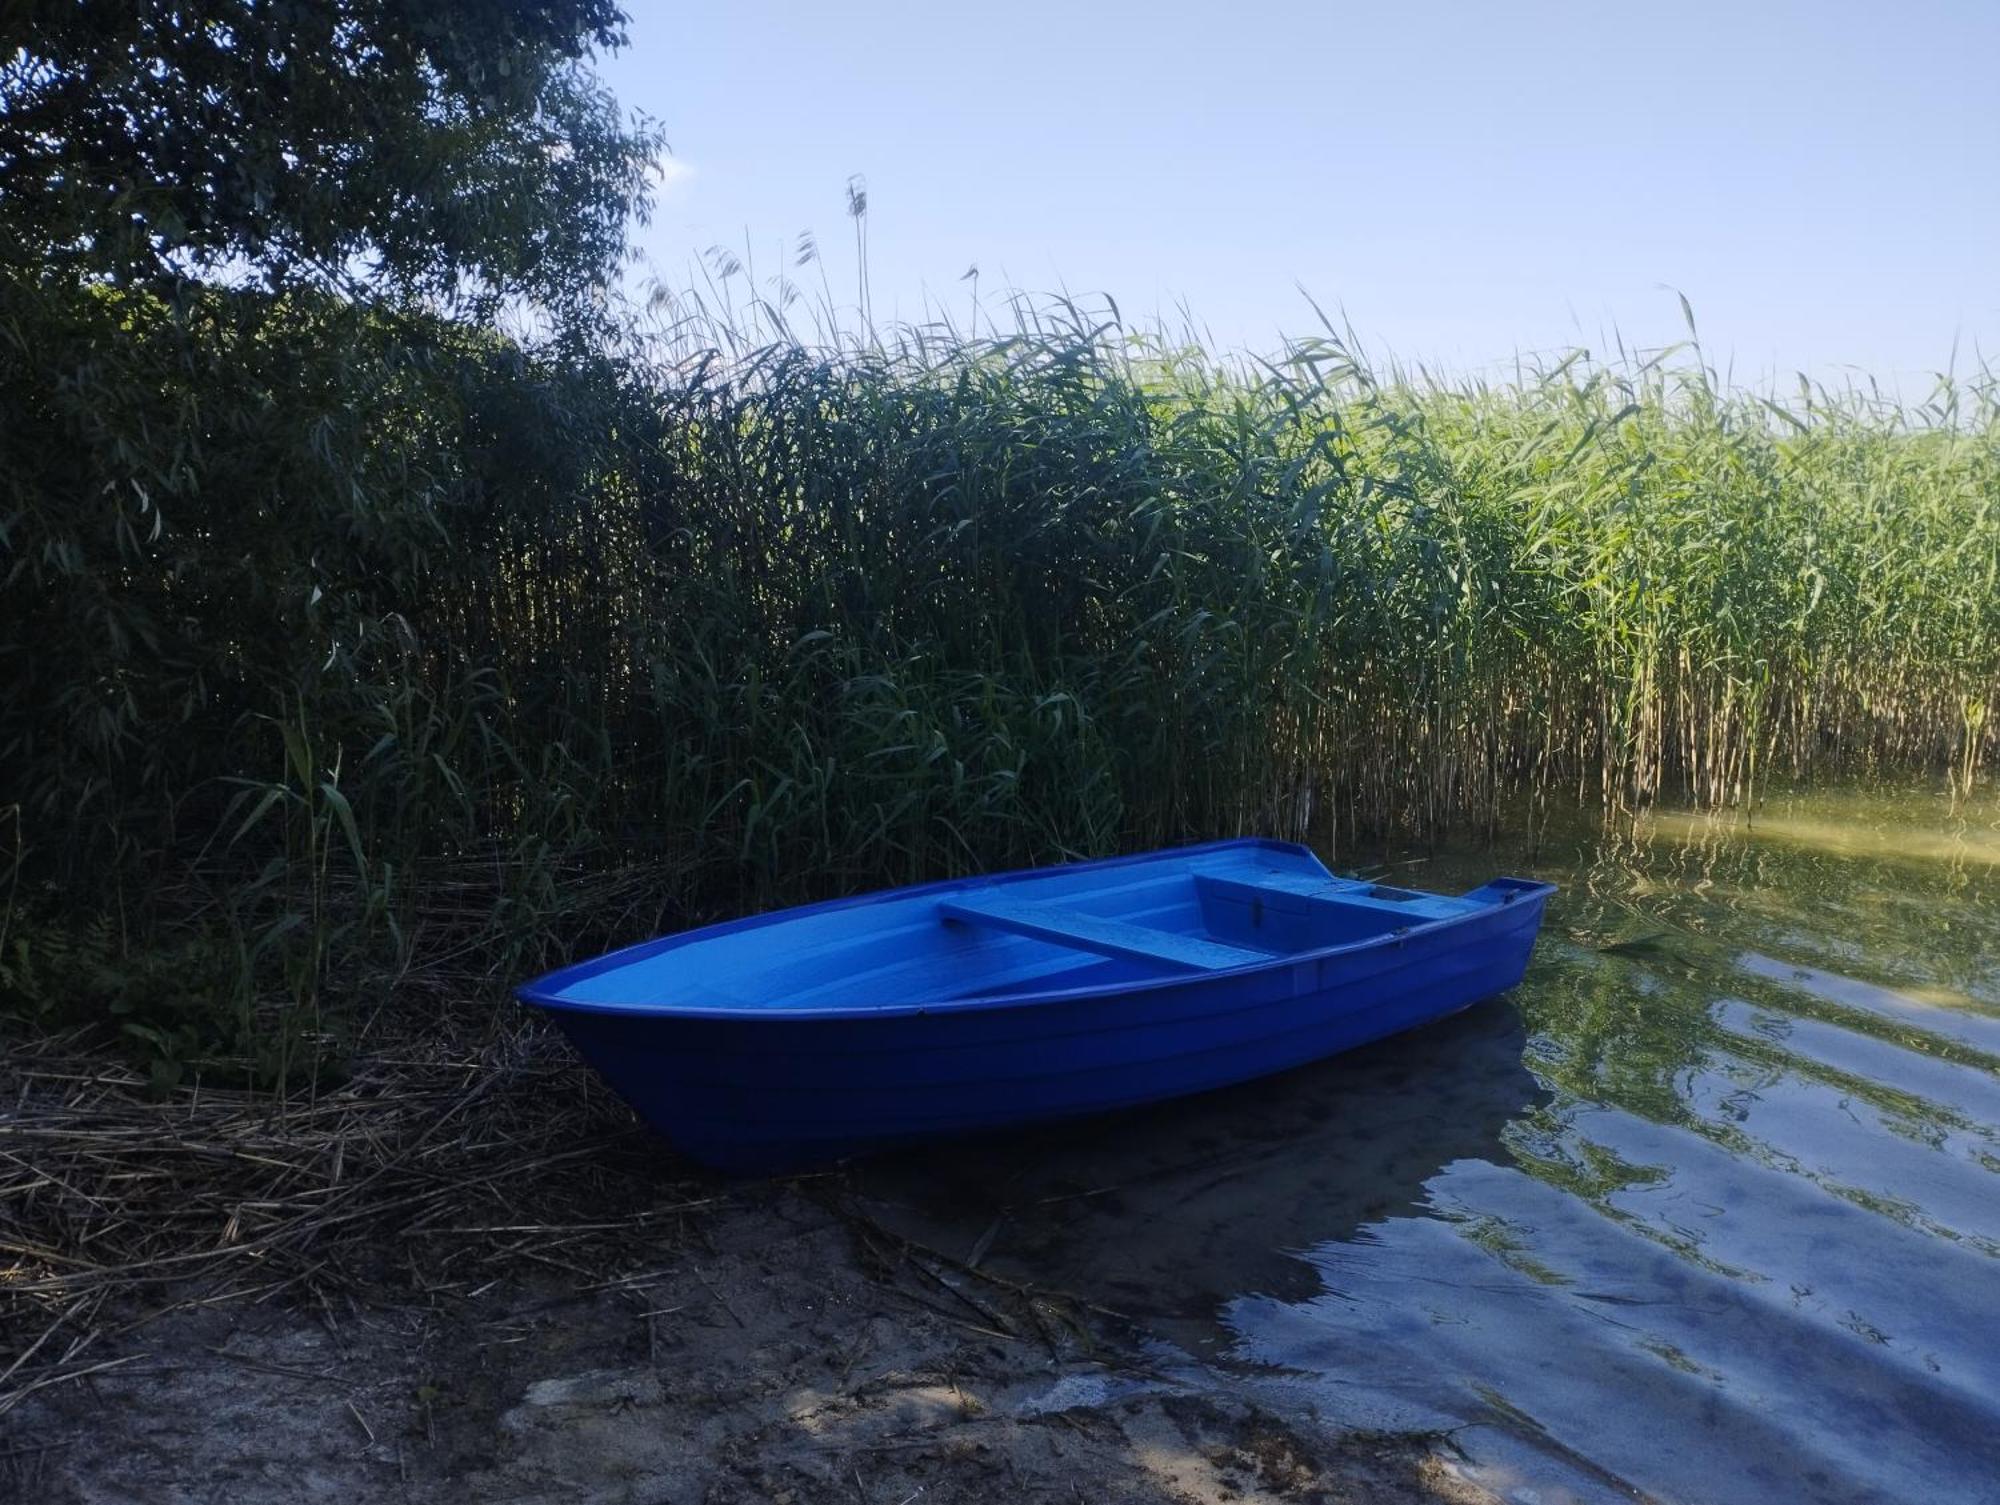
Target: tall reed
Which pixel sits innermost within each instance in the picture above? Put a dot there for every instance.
(349, 635)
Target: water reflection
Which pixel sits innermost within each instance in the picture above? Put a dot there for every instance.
(1710, 1209)
(1168, 1212)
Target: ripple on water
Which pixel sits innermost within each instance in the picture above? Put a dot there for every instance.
(1709, 1207)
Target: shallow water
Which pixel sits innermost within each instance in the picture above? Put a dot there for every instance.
(1707, 1209)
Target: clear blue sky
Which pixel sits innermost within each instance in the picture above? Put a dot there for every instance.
(1466, 180)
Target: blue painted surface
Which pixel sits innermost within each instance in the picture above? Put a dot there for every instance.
(801, 1036)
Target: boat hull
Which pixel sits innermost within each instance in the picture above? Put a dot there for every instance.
(762, 1093)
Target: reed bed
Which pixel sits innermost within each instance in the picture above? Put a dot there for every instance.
(350, 646)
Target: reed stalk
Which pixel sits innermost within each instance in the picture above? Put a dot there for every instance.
(342, 636)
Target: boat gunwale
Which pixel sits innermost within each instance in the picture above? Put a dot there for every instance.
(541, 992)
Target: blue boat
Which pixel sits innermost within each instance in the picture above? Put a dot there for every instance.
(803, 1036)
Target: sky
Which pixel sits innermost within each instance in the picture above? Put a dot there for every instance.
(1463, 183)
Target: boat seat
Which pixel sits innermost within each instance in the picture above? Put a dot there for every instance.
(1098, 934)
(1302, 893)
(1287, 890)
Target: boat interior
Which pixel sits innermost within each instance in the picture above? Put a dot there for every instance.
(1213, 909)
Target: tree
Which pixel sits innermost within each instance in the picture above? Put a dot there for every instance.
(458, 151)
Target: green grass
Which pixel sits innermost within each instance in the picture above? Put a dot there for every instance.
(357, 646)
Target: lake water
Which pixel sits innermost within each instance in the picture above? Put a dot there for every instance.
(1708, 1209)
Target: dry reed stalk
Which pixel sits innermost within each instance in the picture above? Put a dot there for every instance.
(446, 1159)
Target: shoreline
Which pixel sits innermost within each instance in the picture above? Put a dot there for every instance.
(489, 1315)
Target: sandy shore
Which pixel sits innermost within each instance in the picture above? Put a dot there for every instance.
(780, 1350)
